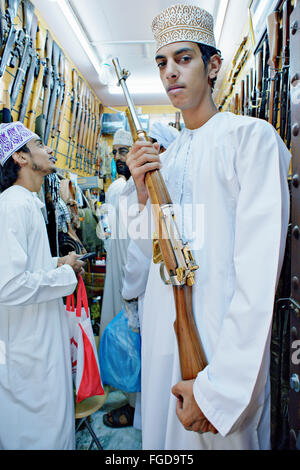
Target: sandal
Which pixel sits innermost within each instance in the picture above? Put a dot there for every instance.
(120, 417)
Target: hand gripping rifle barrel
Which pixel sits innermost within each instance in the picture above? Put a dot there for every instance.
(174, 255)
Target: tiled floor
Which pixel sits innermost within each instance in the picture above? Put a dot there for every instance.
(127, 438)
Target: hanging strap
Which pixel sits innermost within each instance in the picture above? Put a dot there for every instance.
(70, 303)
(82, 300)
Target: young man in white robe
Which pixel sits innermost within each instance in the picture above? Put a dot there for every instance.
(227, 175)
(36, 392)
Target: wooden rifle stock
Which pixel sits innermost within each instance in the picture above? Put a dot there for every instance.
(176, 257)
(273, 35)
(242, 97)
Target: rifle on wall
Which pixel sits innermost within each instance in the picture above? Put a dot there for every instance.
(66, 93)
(39, 75)
(273, 35)
(54, 91)
(40, 122)
(10, 15)
(264, 94)
(176, 256)
(284, 93)
(31, 72)
(28, 9)
(74, 111)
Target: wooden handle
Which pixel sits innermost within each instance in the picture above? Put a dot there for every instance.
(192, 358)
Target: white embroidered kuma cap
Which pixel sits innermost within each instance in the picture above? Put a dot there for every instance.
(122, 137)
(13, 136)
(183, 23)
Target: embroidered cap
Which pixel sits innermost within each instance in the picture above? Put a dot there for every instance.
(122, 137)
(12, 137)
(183, 23)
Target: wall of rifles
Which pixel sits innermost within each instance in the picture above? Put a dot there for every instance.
(41, 87)
(265, 82)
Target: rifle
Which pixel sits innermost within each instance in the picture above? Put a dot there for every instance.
(242, 97)
(10, 15)
(39, 75)
(251, 93)
(54, 90)
(176, 255)
(74, 104)
(66, 93)
(40, 122)
(284, 93)
(28, 9)
(80, 86)
(273, 34)
(259, 78)
(2, 20)
(81, 123)
(33, 66)
(262, 109)
(247, 95)
(236, 103)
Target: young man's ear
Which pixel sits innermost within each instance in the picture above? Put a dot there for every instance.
(20, 159)
(215, 64)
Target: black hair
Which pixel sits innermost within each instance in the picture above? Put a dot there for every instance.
(9, 172)
(207, 52)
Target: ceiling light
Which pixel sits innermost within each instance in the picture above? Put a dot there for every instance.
(80, 34)
(139, 88)
(220, 19)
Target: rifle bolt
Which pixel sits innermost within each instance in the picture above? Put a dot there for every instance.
(295, 282)
(296, 232)
(295, 129)
(296, 180)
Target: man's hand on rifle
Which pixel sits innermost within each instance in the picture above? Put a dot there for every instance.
(143, 157)
(187, 410)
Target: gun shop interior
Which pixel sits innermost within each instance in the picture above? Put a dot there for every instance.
(87, 78)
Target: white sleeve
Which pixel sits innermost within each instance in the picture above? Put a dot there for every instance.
(136, 273)
(18, 285)
(238, 370)
(139, 225)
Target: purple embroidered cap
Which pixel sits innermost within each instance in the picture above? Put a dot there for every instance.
(12, 137)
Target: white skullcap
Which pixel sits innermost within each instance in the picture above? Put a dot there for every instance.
(183, 23)
(13, 136)
(163, 133)
(122, 137)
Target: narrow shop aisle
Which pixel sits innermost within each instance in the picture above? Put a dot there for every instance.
(127, 438)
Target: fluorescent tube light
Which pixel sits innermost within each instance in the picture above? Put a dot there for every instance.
(138, 88)
(81, 36)
(220, 19)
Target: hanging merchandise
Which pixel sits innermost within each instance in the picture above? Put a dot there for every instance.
(104, 159)
(113, 169)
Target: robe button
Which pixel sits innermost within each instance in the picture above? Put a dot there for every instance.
(295, 282)
(295, 129)
(296, 180)
(296, 232)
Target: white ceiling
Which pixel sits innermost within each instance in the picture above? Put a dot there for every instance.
(122, 28)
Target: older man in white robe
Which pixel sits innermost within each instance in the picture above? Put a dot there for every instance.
(36, 393)
(227, 175)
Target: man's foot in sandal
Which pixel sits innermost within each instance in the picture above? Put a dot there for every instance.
(120, 417)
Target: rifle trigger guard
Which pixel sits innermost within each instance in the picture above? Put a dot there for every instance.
(162, 274)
